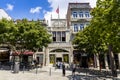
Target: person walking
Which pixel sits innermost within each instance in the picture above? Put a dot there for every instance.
(73, 68)
(63, 69)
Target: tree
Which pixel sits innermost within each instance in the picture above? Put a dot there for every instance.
(107, 16)
(32, 35)
(7, 31)
(103, 33)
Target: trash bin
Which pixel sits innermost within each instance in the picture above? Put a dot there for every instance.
(16, 67)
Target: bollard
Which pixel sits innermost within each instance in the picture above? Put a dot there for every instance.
(23, 69)
(86, 73)
(36, 70)
(11, 68)
(50, 72)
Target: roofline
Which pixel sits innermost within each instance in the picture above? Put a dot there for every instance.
(79, 3)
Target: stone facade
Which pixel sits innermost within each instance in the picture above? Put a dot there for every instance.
(61, 48)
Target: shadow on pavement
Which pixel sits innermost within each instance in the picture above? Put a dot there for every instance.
(84, 77)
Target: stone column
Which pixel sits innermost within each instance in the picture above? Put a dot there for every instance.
(106, 62)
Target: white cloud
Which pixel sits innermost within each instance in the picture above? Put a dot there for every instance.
(9, 7)
(63, 5)
(35, 10)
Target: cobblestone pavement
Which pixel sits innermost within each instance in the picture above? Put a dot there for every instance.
(46, 73)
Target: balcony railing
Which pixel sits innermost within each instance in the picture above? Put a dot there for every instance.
(60, 44)
(57, 28)
(80, 19)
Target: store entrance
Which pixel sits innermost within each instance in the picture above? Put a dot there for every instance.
(59, 59)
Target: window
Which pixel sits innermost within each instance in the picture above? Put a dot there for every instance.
(54, 36)
(74, 14)
(87, 14)
(52, 58)
(81, 26)
(58, 36)
(66, 58)
(63, 36)
(81, 14)
(75, 28)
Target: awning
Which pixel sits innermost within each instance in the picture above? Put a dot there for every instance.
(3, 50)
(28, 53)
(16, 53)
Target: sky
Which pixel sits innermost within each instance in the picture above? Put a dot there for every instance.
(38, 9)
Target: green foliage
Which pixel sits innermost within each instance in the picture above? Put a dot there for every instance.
(7, 30)
(25, 34)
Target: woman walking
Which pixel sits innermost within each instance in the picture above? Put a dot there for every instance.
(73, 68)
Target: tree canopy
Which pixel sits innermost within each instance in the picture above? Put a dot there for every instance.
(30, 35)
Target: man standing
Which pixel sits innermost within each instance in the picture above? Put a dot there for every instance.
(63, 69)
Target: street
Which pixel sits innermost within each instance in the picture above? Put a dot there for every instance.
(47, 73)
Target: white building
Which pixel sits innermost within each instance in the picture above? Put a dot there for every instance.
(61, 48)
(3, 14)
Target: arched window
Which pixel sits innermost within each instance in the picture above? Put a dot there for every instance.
(75, 28)
(87, 14)
(74, 14)
(81, 26)
(80, 14)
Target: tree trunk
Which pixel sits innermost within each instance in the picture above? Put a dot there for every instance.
(112, 62)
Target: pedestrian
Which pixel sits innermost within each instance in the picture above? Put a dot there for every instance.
(58, 65)
(63, 69)
(73, 68)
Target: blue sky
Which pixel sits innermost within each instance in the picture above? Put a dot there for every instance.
(37, 9)
(31, 9)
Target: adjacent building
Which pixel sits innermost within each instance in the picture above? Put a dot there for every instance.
(3, 14)
(78, 17)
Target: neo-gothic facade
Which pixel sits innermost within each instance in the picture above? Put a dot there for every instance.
(61, 48)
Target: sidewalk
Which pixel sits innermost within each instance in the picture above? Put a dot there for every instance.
(46, 73)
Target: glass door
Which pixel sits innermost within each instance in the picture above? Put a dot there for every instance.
(52, 58)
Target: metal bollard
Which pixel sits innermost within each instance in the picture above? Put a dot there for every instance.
(36, 70)
(23, 69)
(11, 68)
(50, 72)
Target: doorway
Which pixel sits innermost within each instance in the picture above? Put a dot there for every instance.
(59, 59)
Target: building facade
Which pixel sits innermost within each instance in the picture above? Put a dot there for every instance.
(61, 48)
(78, 17)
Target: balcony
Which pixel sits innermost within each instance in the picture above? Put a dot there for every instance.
(60, 44)
(84, 19)
(57, 29)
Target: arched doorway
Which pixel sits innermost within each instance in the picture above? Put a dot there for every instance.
(59, 55)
